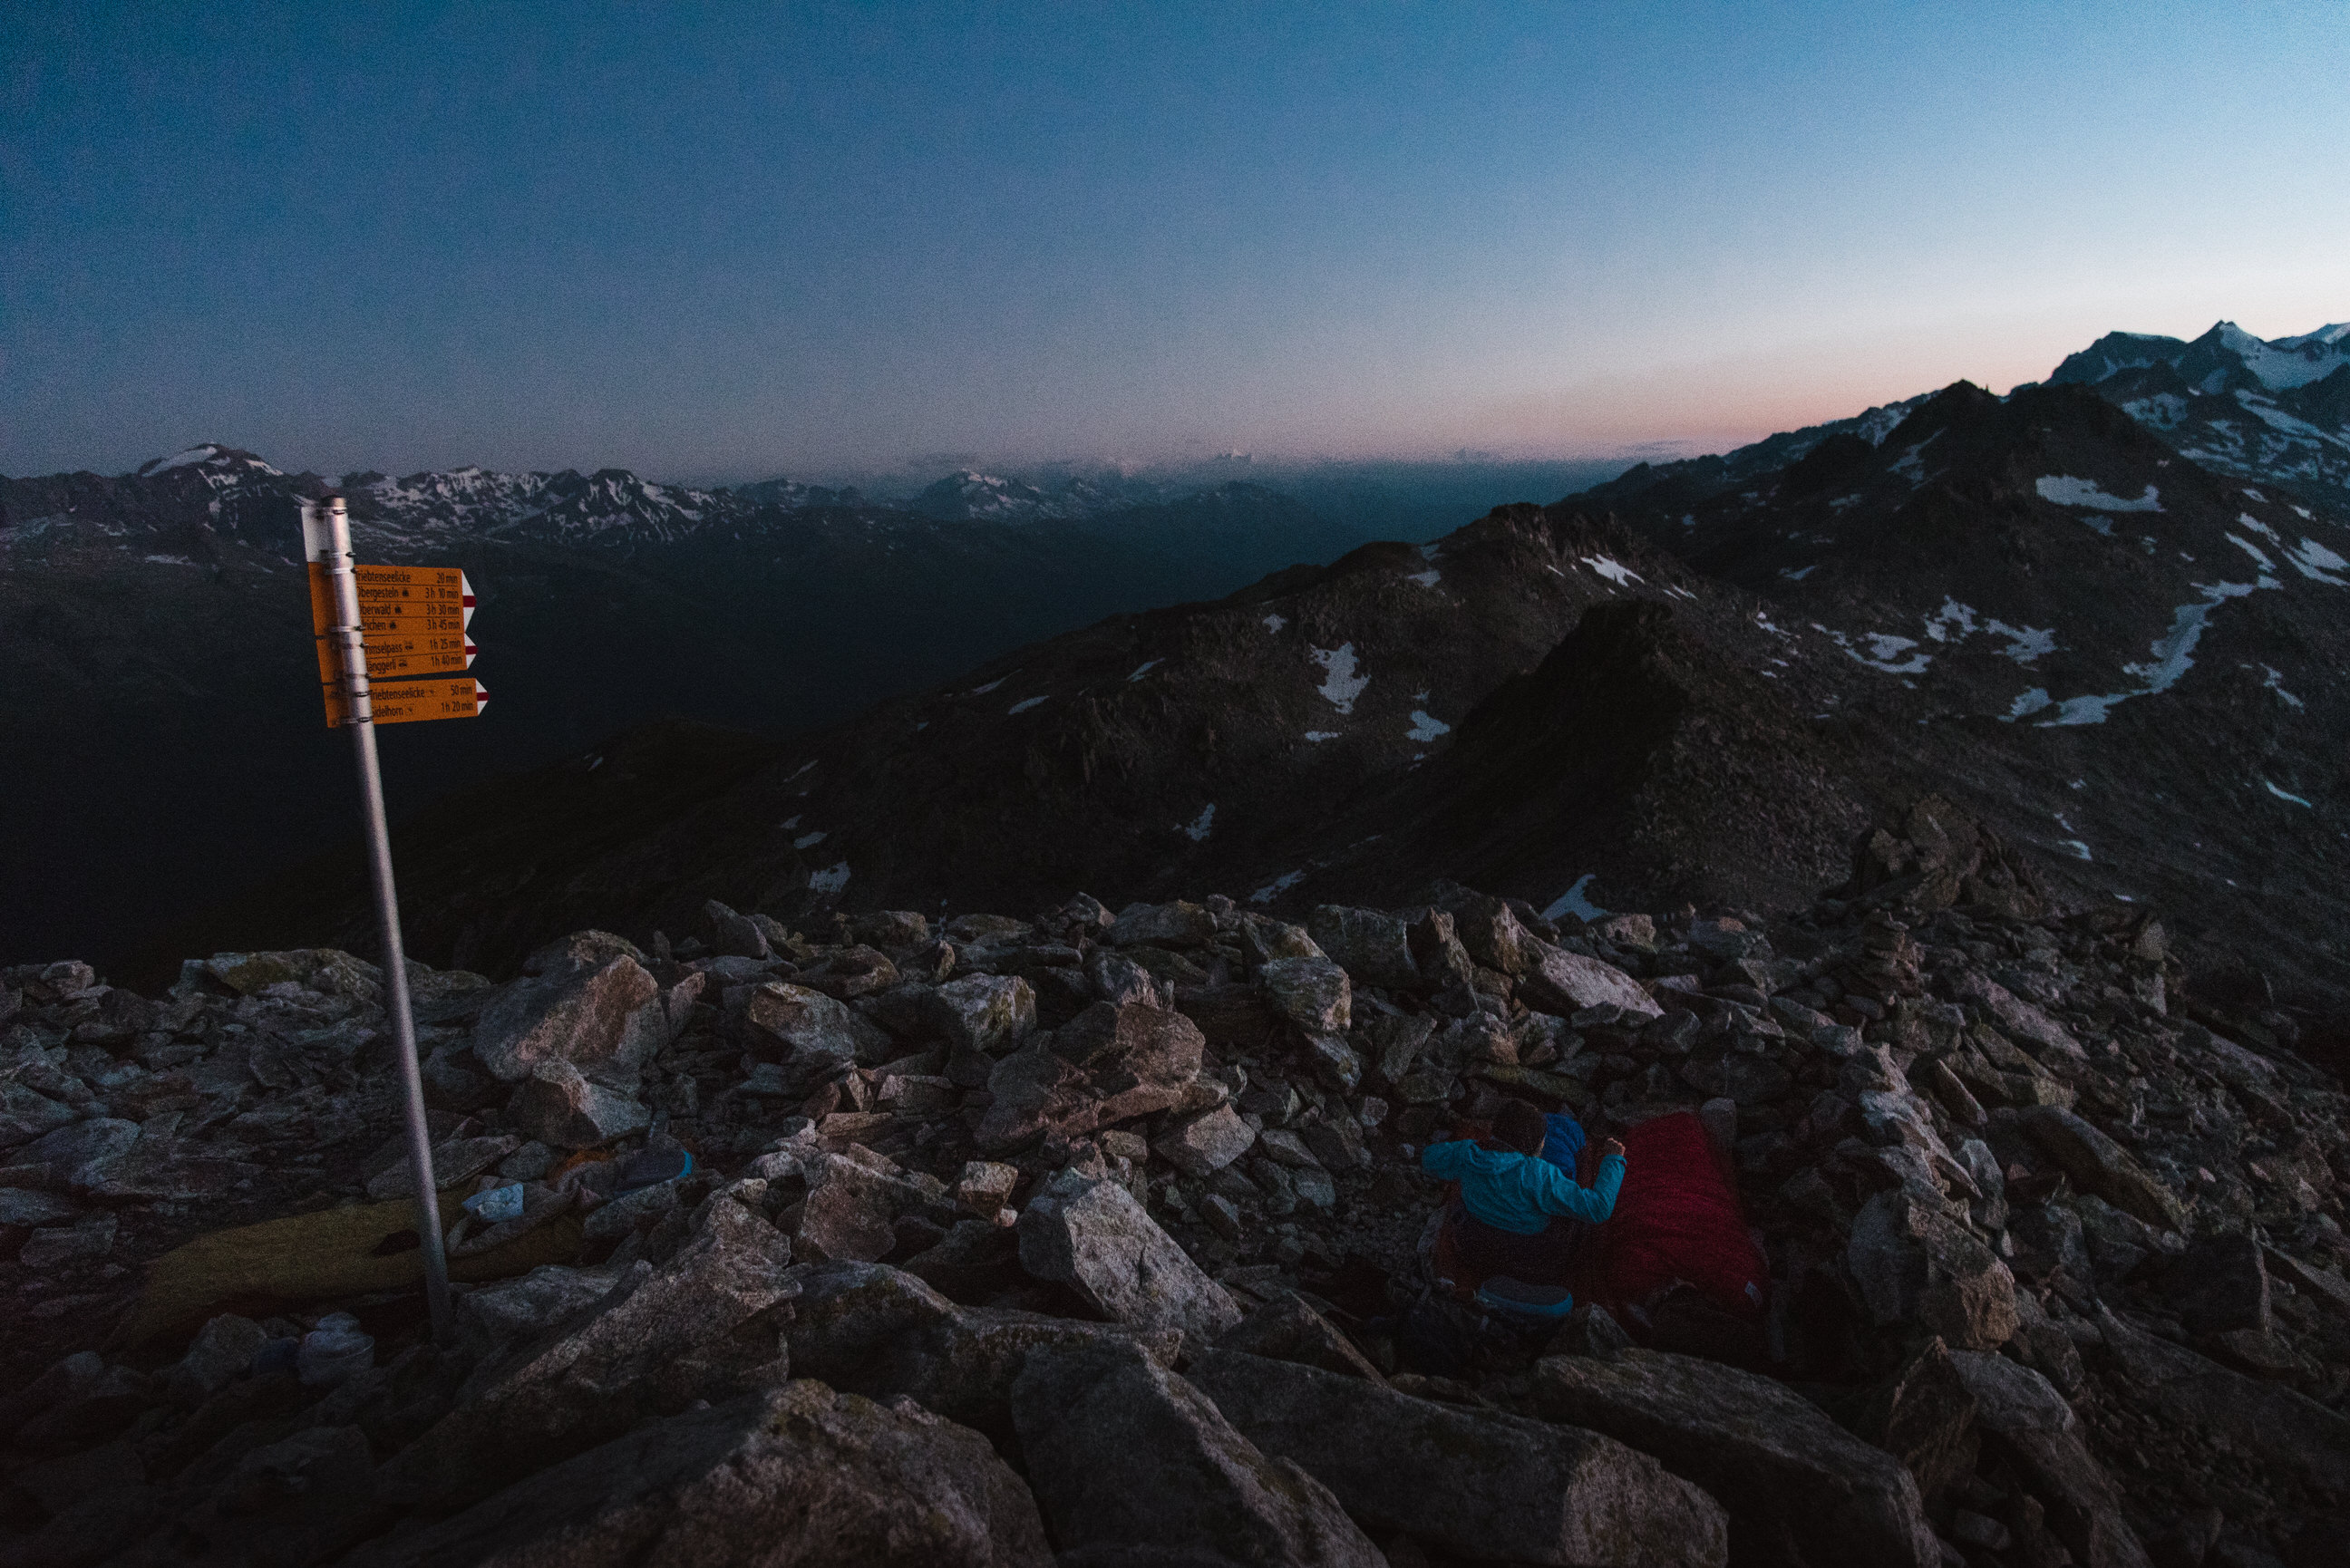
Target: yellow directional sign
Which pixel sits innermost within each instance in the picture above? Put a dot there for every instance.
(388, 595)
(411, 701)
(413, 619)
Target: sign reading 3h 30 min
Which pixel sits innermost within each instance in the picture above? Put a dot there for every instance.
(415, 620)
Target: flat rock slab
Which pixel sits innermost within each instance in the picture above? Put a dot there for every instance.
(1088, 1233)
(2282, 1428)
(706, 1326)
(798, 1475)
(2018, 1017)
(2103, 1166)
(1108, 1065)
(1773, 1459)
(1468, 1483)
(1914, 1263)
(2010, 1396)
(1134, 1465)
(2025, 1417)
(605, 1021)
(1374, 947)
(1564, 983)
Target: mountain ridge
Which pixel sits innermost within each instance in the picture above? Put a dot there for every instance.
(2119, 658)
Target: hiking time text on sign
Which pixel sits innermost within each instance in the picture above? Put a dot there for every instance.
(414, 620)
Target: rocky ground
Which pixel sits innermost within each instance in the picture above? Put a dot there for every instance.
(1092, 1234)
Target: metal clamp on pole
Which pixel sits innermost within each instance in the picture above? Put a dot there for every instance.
(350, 646)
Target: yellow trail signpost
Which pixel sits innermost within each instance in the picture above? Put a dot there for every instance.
(413, 621)
(407, 623)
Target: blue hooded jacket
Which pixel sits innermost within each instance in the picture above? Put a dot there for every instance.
(1523, 1193)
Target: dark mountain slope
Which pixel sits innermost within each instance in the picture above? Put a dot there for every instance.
(2110, 652)
(158, 693)
(1241, 744)
(2123, 664)
(1633, 756)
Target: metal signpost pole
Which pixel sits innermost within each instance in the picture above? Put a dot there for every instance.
(350, 644)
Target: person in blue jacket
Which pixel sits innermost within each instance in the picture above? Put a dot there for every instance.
(1524, 1211)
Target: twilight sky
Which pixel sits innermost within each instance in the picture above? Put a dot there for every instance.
(716, 242)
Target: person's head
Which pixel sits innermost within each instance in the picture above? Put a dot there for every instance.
(1519, 1125)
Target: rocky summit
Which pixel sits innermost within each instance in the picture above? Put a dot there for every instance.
(1095, 1236)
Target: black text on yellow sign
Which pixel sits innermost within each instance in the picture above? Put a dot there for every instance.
(414, 702)
(412, 620)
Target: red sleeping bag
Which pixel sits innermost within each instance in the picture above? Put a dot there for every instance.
(1677, 1217)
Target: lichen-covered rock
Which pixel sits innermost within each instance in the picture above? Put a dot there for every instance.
(83, 1156)
(1206, 1143)
(1312, 993)
(1371, 945)
(1489, 928)
(987, 1013)
(1925, 1417)
(853, 1206)
(1106, 1065)
(562, 1108)
(1771, 1457)
(1565, 983)
(798, 1474)
(811, 1031)
(1177, 925)
(1473, 1483)
(1915, 1263)
(2103, 1166)
(607, 1022)
(1087, 1232)
(1133, 1465)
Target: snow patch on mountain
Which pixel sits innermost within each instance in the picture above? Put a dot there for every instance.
(1575, 901)
(2314, 561)
(1344, 683)
(2289, 361)
(1276, 888)
(2067, 490)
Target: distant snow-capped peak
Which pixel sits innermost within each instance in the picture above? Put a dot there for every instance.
(2288, 361)
(206, 455)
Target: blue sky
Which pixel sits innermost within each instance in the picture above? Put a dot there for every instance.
(714, 242)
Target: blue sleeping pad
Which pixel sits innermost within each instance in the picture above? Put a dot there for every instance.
(1517, 1299)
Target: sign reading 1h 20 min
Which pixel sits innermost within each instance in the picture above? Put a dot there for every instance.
(414, 620)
